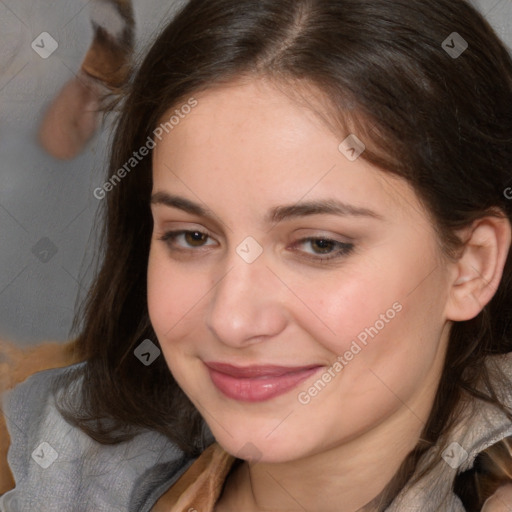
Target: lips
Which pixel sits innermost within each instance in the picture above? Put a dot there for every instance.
(257, 383)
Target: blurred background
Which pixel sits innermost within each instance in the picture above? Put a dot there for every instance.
(47, 206)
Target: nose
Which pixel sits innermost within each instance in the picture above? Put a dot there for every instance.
(247, 304)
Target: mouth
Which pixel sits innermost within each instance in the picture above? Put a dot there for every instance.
(257, 383)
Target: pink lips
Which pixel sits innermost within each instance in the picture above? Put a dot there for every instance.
(257, 383)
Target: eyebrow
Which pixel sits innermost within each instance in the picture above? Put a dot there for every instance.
(276, 214)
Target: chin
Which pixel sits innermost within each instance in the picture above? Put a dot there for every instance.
(258, 448)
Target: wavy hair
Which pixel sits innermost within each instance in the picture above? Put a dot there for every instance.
(441, 121)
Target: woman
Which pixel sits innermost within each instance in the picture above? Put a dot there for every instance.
(306, 277)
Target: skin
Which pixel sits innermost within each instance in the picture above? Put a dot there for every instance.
(243, 150)
(500, 501)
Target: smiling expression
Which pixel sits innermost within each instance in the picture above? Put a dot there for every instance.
(272, 253)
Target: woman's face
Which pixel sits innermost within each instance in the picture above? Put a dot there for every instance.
(305, 304)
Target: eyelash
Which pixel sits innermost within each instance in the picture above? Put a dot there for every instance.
(344, 248)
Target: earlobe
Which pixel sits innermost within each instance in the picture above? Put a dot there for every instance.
(479, 269)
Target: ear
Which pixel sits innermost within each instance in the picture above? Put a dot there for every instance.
(478, 271)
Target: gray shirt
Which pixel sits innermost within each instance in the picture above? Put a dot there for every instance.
(58, 467)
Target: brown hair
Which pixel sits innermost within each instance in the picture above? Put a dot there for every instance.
(442, 123)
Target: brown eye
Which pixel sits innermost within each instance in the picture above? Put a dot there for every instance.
(324, 249)
(183, 240)
(195, 238)
(323, 246)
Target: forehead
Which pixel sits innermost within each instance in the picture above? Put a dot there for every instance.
(255, 140)
(244, 117)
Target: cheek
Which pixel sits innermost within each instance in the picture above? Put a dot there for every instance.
(158, 292)
(354, 306)
(168, 294)
(380, 315)
(175, 297)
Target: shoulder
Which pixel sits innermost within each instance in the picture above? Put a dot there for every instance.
(481, 426)
(56, 465)
(487, 424)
